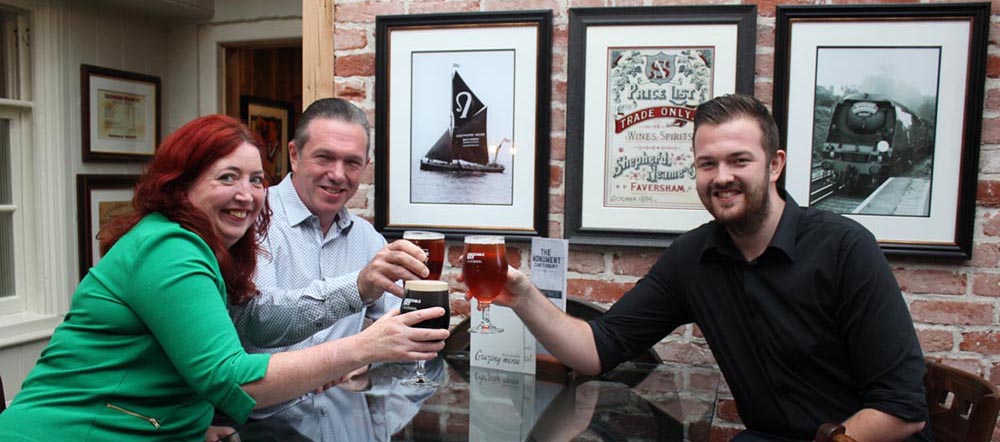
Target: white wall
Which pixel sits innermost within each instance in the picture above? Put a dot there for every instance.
(149, 42)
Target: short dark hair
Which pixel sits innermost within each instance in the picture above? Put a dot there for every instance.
(334, 109)
(731, 107)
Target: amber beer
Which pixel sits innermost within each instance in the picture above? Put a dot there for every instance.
(432, 244)
(485, 267)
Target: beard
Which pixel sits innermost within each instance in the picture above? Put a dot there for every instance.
(747, 219)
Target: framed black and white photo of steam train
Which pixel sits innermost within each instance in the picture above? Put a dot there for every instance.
(880, 112)
(462, 123)
(635, 77)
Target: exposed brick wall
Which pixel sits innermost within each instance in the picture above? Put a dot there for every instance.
(955, 304)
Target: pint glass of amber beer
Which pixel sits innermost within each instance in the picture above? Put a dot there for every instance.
(433, 245)
(485, 271)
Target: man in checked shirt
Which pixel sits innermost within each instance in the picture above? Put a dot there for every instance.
(328, 269)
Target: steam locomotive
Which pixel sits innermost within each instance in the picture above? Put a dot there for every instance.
(872, 137)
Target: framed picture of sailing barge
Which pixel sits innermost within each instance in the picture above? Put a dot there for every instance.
(635, 77)
(462, 123)
(880, 107)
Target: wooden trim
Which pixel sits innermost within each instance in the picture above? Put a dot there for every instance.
(317, 50)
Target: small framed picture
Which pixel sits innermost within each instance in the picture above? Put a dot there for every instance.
(880, 109)
(99, 198)
(462, 122)
(120, 114)
(272, 120)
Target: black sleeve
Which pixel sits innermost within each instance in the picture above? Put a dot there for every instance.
(883, 350)
(642, 317)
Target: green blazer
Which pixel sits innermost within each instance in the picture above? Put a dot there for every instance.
(146, 351)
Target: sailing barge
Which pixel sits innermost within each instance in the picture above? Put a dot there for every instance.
(463, 147)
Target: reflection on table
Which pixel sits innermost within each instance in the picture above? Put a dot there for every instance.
(635, 402)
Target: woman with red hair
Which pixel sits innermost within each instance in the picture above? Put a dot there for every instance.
(148, 350)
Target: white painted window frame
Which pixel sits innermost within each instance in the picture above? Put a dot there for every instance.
(44, 246)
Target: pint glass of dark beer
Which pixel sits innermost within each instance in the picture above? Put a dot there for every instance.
(421, 294)
(485, 271)
(433, 245)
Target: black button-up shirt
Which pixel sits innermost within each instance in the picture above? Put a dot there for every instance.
(811, 331)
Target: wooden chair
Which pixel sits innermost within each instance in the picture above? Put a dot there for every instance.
(831, 432)
(962, 406)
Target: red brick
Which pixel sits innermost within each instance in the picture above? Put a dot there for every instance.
(726, 410)
(555, 176)
(696, 331)
(723, 434)
(359, 200)
(355, 65)
(585, 3)
(930, 281)
(991, 131)
(352, 89)
(368, 175)
(935, 340)
(558, 120)
(685, 2)
(765, 35)
(989, 161)
(708, 382)
(995, 375)
(509, 5)
(685, 353)
(586, 261)
(986, 284)
(514, 256)
(560, 37)
(763, 91)
(634, 264)
(952, 312)
(993, 98)
(556, 203)
(558, 91)
(557, 148)
(765, 65)
(558, 63)
(555, 229)
(344, 38)
(598, 290)
(443, 6)
(988, 194)
(991, 224)
(985, 255)
(984, 343)
(365, 12)
(766, 8)
(992, 66)
(973, 366)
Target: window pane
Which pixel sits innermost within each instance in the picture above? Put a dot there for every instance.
(11, 38)
(6, 254)
(5, 166)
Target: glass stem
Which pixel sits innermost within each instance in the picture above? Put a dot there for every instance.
(486, 315)
(420, 369)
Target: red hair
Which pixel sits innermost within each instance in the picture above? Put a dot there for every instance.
(179, 161)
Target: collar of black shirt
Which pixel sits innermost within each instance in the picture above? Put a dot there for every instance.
(719, 243)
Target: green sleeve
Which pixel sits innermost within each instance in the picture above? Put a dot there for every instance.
(178, 293)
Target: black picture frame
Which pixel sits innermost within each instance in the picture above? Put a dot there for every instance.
(726, 32)
(272, 120)
(886, 47)
(115, 193)
(493, 53)
(120, 114)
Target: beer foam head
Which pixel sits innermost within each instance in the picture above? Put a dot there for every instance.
(417, 234)
(419, 285)
(484, 240)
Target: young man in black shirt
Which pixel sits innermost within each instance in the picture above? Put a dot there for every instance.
(798, 305)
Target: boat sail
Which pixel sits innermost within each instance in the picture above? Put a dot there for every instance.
(462, 146)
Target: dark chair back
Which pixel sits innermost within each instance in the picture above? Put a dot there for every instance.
(3, 399)
(963, 407)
